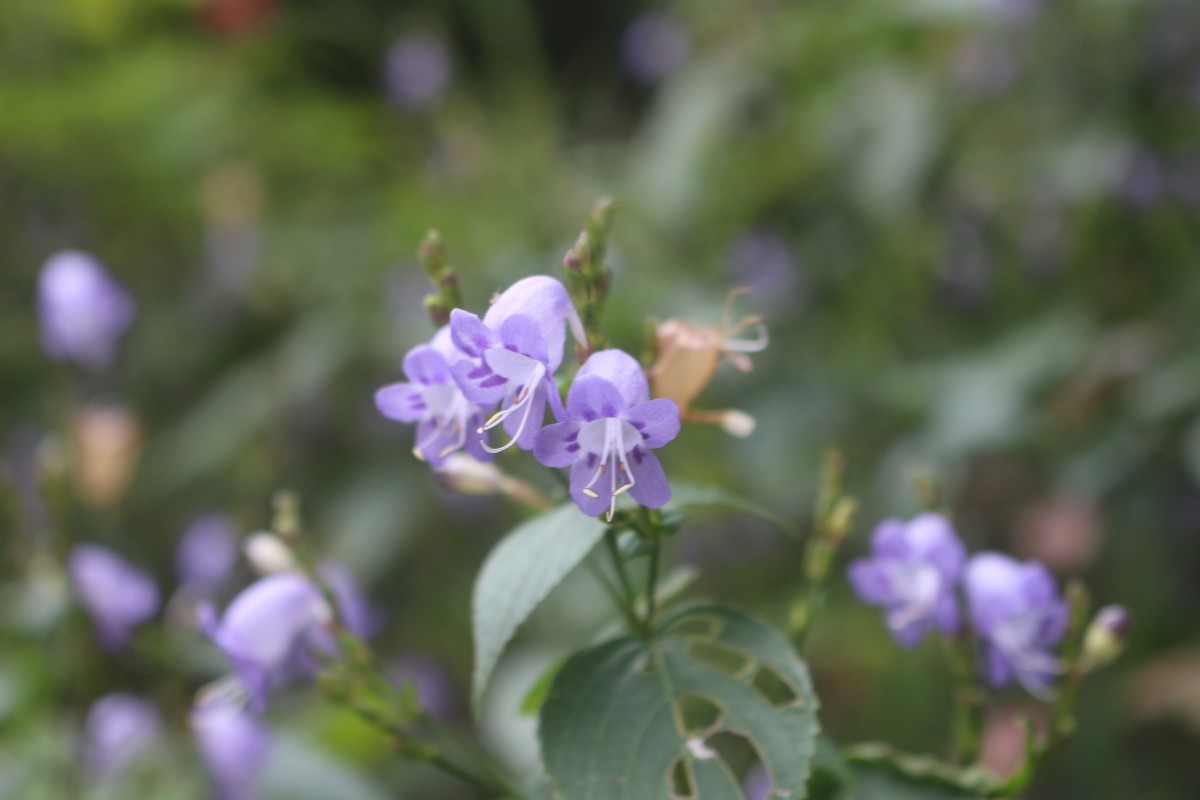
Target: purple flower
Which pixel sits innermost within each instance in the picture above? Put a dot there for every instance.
(82, 309)
(611, 425)
(117, 595)
(446, 419)
(272, 633)
(417, 69)
(355, 611)
(207, 553)
(119, 728)
(653, 46)
(1017, 613)
(234, 745)
(911, 573)
(512, 353)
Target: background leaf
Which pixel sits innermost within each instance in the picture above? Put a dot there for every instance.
(688, 495)
(621, 720)
(518, 574)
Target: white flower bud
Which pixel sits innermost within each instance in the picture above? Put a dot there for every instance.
(738, 423)
(269, 554)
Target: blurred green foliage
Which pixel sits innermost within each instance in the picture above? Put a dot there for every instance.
(972, 226)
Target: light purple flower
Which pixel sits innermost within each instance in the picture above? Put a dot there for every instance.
(234, 745)
(611, 425)
(446, 419)
(83, 310)
(512, 353)
(119, 729)
(762, 260)
(272, 633)
(118, 596)
(355, 610)
(911, 573)
(1017, 613)
(207, 554)
(653, 46)
(418, 69)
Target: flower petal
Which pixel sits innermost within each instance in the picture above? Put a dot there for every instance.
(521, 333)
(622, 371)
(479, 383)
(656, 420)
(544, 299)
(469, 334)
(404, 402)
(558, 445)
(650, 482)
(592, 398)
(581, 474)
(426, 366)
(871, 583)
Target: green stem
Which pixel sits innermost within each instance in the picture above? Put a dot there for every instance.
(968, 700)
(652, 583)
(627, 606)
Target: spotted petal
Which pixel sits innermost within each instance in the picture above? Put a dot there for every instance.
(656, 420)
(469, 334)
(581, 475)
(557, 445)
(426, 366)
(402, 401)
(592, 398)
(521, 333)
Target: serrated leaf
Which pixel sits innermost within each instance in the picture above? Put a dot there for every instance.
(687, 495)
(520, 571)
(615, 725)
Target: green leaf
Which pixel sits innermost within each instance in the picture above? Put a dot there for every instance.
(882, 773)
(630, 719)
(686, 495)
(516, 577)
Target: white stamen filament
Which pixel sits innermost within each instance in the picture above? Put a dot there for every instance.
(613, 448)
(755, 345)
(523, 399)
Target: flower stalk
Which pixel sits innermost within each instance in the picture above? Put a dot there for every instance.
(446, 296)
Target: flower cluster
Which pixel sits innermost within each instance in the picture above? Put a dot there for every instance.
(476, 375)
(1013, 608)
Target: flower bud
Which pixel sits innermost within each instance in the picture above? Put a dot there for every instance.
(107, 443)
(269, 554)
(1105, 637)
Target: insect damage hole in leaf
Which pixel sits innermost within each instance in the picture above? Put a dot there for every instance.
(726, 659)
(774, 688)
(699, 715)
(612, 731)
(682, 787)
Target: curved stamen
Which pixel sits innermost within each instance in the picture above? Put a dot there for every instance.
(757, 344)
(523, 398)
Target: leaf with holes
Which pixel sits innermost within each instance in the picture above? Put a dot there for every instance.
(516, 577)
(681, 716)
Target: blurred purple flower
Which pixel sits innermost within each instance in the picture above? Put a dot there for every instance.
(1017, 10)
(234, 745)
(354, 609)
(512, 353)
(757, 784)
(271, 633)
(207, 553)
(429, 678)
(118, 596)
(653, 46)
(911, 573)
(83, 310)
(119, 728)
(1017, 613)
(762, 261)
(446, 419)
(417, 69)
(611, 426)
